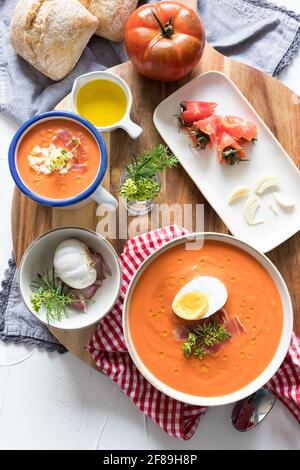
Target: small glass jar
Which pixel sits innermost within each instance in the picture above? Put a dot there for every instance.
(138, 207)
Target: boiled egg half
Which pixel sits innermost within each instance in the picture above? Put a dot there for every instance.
(200, 298)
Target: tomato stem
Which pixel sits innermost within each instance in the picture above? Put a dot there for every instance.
(167, 30)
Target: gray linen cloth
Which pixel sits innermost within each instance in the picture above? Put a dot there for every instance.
(255, 32)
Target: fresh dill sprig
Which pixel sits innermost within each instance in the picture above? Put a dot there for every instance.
(76, 142)
(49, 292)
(139, 190)
(202, 337)
(140, 184)
(61, 160)
(212, 333)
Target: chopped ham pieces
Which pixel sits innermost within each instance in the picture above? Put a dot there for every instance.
(63, 136)
(220, 317)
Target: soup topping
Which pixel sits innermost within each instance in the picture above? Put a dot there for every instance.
(55, 157)
(210, 336)
(200, 298)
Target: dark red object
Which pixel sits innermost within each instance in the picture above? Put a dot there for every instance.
(164, 40)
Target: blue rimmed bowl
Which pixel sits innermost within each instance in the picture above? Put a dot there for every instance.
(94, 191)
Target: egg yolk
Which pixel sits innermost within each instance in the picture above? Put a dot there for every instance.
(192, 304)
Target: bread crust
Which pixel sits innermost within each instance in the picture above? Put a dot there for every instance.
(112, 16)
(51, 34)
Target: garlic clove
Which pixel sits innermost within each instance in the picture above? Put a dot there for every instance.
(258, 222)
(264, 183)
(273, 209)
(238, 193)
(250, 208)
(284, 201)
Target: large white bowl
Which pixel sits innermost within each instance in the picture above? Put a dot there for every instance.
(39, 257)
(275, 363)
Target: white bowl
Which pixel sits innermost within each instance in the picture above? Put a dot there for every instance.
(279, 355)
(39, 257)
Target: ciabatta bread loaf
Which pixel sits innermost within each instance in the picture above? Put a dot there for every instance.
(112, 16)
(51, 34)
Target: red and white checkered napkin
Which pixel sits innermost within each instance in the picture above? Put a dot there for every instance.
(108, 349)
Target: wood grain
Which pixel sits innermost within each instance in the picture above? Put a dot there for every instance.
(275, 103)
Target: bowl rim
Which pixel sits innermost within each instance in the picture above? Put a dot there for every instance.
(273, 365)
(83, 229)
(48, 201)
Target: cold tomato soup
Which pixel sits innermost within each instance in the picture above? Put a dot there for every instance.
(253, 299)
(58, 159)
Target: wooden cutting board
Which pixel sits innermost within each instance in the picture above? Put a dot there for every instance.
(275, 103)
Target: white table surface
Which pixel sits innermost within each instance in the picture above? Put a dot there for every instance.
(52, 401)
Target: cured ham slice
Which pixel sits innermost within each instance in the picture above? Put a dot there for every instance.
(64, 138)
(234, 326)
(181, 331)
(219, 317)
(79, 167)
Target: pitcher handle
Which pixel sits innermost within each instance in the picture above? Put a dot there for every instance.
(103, 197)
(132, 128)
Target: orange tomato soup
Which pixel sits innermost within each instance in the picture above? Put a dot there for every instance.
(252, 296)
(79, 147)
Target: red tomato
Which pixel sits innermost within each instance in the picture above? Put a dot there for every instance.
(238, 128)
(192, 111)
(209, 127)
(229, 150)
(164, 40)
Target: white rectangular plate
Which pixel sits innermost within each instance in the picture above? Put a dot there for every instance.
(216, 181)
